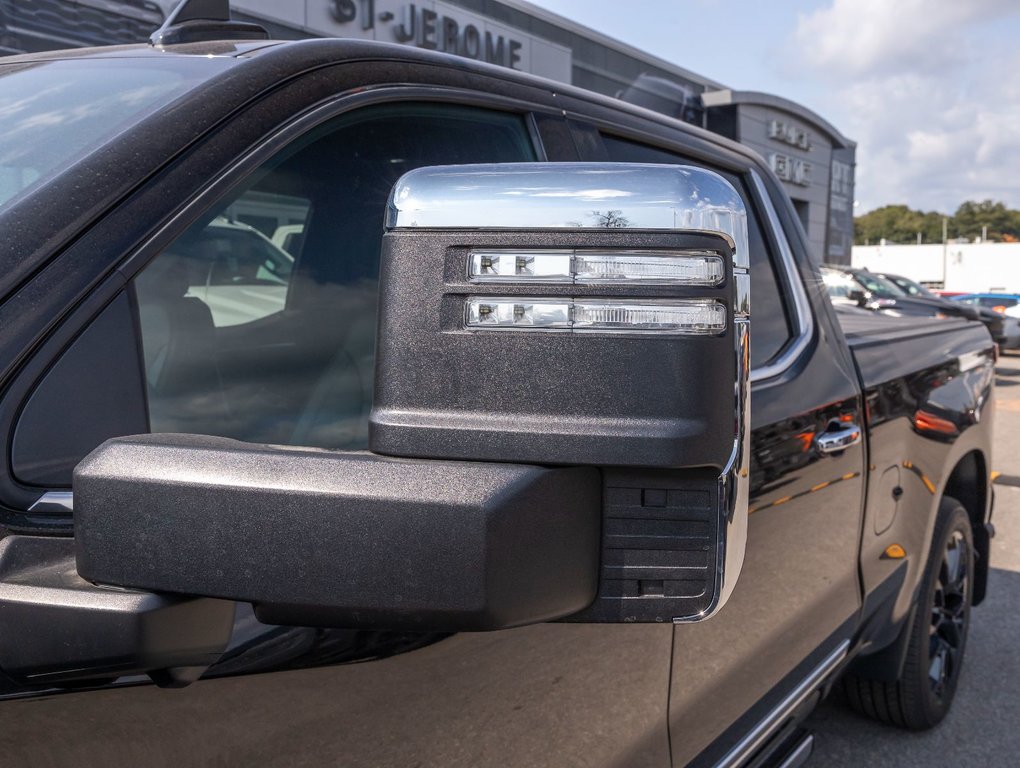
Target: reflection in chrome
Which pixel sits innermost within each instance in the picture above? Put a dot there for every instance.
(54, 501)
(571, 196)
(742, 299)
(803, 320)
(734, 482)
(838, 438)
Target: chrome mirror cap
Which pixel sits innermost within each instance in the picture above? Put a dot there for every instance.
(537, 196)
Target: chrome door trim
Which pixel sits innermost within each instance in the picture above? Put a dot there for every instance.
(802, 316)
(747, 746)
(54, 501)
(801, 754)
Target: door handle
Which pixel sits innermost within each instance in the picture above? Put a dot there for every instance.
(838, 438)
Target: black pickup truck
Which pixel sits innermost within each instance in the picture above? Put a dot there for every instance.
(397, 409)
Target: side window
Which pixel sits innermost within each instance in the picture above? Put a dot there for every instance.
(770, 323)
(259, 322)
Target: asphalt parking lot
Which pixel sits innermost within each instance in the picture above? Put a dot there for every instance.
(983, 728)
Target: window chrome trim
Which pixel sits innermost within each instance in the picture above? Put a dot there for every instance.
(803, 318)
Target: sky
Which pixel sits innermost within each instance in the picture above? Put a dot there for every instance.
(929, 89)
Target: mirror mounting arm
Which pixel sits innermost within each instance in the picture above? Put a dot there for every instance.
(59, 629)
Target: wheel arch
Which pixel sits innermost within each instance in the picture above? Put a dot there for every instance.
(966, 481)
(968, 484)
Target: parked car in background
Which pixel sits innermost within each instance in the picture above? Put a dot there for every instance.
(886, 296)
(1003, 303)
(1006, 306)
(234, 269)
(844, 291)
(290, 237)
(907, 285)
(880, 294)
(1005, 332)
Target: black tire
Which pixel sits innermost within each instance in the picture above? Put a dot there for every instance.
(922, 695)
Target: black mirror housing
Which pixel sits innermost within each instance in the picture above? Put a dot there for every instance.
(519, 324)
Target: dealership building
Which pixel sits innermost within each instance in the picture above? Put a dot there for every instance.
(812, 158)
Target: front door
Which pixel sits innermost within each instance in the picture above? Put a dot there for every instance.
(256, 320)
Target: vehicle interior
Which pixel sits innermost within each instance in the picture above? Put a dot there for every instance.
(299, 372)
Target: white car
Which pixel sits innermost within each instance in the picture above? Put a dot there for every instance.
(237, 271)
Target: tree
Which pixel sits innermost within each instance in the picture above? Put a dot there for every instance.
(971, 219)
(610, 219)
(897, 224)
(900, 224)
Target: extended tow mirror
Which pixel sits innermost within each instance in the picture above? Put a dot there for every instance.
(559, 430)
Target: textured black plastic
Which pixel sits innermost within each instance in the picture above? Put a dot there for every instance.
(57, 627)
(534, 397)
(320, 538)
(660, 555)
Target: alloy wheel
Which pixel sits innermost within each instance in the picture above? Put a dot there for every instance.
(949, 615)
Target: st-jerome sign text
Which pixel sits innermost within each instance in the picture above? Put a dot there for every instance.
(426, 28)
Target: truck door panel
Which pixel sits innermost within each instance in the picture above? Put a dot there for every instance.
(799, 585)
(546, 695)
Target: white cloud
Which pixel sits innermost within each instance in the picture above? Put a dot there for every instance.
(927, 89)
(870, 37)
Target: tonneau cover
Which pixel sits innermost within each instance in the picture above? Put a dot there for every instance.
(887, 347)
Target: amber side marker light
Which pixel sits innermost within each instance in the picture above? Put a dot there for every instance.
(894, 552)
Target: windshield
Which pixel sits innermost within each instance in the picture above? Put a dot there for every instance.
(52, 113)
(914, 289)
(882, 289)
